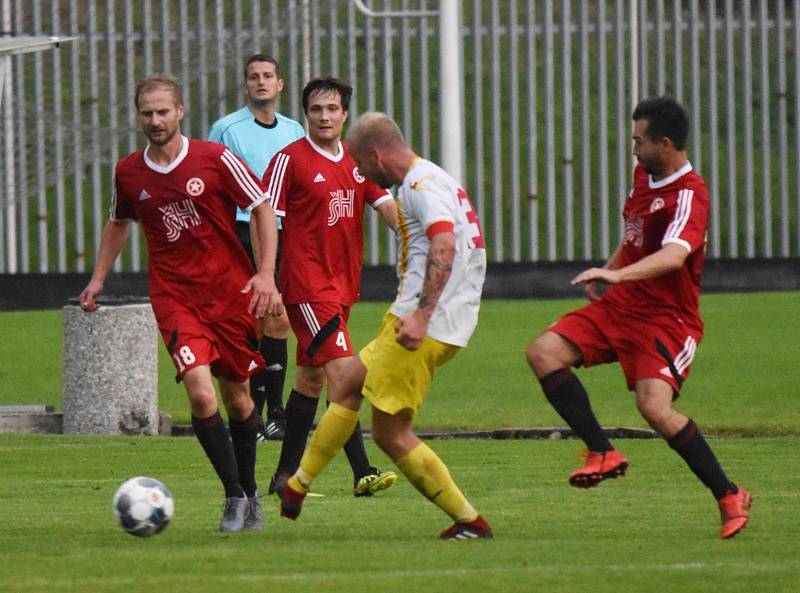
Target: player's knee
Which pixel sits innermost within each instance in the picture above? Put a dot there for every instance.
(240, 408)
(310, 384)
(652, 410)
(203, 401)
(540, 354)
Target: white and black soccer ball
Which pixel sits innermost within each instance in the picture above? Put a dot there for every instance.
(143, 506)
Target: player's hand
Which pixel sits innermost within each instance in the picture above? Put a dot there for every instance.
(602, 275)
(88, 296)
(265, 298)
(411, 330)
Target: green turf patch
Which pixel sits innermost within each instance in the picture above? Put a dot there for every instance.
(743, 380)
(654, 530)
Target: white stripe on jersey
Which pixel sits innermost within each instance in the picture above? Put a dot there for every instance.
(311, 319)
(682, 213)
(276, 179)
(246, 175)
(241, 175)
(685, 356)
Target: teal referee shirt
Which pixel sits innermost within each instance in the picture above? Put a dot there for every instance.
(255, 142)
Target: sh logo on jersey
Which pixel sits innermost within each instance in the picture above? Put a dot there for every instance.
(178, 216)
(341, 205)
(634, 231)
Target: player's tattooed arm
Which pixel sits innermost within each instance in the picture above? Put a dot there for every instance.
(411, 329)
(437, 270)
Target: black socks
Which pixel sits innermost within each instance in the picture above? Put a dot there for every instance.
(243, 438)
(214, 438)
(566, 394)
(300, 413)
(274, 351)
(690, 444)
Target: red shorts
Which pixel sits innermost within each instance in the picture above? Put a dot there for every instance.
(321, 330)
(660, 347)
(229, 347)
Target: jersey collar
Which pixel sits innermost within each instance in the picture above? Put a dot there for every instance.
(258, 122)
(178, 160)
(325, 153)
(667, 180)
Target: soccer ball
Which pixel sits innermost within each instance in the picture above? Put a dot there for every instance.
(143, 506)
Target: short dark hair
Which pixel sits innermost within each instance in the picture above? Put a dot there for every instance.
(159, 82)
(262, 58)
(329, 85)
(665, 118)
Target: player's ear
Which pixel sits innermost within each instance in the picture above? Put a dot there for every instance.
(180, 110)
(379, 155)
(280, 85)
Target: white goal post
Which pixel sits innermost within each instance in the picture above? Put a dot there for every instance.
(11, 46)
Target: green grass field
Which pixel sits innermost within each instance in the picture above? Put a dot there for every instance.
(654, 530)
(742, 380)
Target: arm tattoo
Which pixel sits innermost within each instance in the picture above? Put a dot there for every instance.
(437, 272)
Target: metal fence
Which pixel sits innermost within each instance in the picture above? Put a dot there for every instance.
(549, 86)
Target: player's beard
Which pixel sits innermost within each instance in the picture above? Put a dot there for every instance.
(652, 166)
(169, 134)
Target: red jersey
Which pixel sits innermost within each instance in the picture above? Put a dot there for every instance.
(187, 211)
(671, 210)
(321, 198)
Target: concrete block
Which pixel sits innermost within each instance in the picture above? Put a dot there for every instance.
(164, 424)
(111, 370)
(44, 422)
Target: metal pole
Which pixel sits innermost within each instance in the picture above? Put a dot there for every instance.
(498, 175)
(42, 231)
(550, 135)
(9, 209)
(306, 42)
(450, 74)
(634, 31)
(566, 141)
(533, 136)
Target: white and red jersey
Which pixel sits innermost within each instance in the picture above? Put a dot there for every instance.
(187, 211)
(321, 198)
(428, 201)
(670, 210)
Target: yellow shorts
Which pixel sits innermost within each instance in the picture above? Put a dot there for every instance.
(398, 379)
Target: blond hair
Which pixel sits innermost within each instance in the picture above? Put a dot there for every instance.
(159, 82)
(375, 129)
